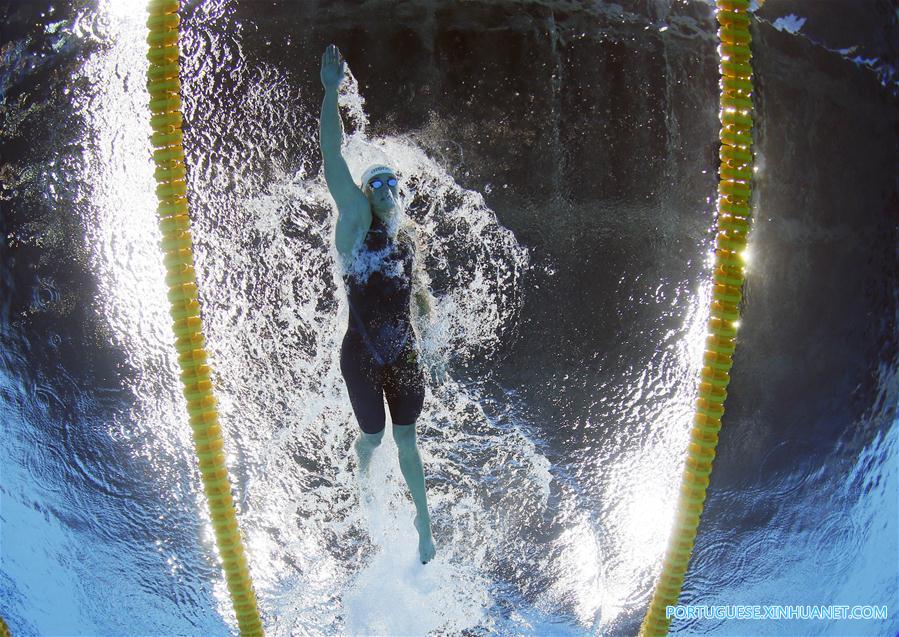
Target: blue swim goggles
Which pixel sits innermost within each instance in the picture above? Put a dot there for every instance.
(375, 184)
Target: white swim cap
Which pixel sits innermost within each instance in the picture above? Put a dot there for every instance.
(377, 169)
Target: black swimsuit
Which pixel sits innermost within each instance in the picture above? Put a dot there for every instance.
(378, 356)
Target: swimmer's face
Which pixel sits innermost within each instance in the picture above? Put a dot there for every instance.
(383, 196)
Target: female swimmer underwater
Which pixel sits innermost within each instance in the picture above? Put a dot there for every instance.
(379, 356)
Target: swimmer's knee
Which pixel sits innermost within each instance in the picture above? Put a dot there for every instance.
(404, 436)
(370, 440)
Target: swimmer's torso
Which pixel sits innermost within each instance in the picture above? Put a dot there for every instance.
(379, 290)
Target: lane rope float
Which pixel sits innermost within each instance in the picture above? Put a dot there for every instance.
(734, 219)
(4, 629)
(164, 86)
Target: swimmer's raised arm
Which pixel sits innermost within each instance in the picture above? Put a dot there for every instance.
(353, 209)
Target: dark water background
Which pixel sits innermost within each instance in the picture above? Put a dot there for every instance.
(591, 134)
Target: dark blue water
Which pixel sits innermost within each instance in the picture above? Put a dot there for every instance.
(559, 161)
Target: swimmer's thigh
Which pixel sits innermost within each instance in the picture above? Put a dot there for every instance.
(404, 386)
(364, 384)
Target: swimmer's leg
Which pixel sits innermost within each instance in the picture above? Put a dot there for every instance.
(413, 472)
(365, 446)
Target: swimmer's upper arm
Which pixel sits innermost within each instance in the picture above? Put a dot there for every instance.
(346, 193)
(353, 209)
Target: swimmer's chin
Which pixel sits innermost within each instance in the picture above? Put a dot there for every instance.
(385, 208)
(388, 214)
(385, 214)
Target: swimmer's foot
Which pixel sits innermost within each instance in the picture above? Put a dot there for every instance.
(426, 550)
(364, 453)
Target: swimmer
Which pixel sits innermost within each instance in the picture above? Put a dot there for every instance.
(379, 356)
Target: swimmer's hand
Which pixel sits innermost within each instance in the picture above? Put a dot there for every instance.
(332, 67)
(437, 370)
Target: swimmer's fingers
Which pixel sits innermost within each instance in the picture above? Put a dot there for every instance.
(438, 374)
(432, 372)
(329, 57)
(332, 54)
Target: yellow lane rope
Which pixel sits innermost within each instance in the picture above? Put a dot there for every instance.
(734, 217)
(165, 104)
(4, 629)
